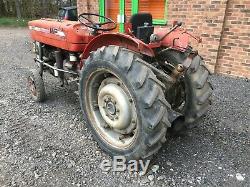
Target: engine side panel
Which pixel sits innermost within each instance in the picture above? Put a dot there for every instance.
(67, 35)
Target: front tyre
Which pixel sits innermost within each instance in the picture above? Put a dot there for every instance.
(123, 103)
(36, 86)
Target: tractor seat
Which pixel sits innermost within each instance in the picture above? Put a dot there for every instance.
(142, 26)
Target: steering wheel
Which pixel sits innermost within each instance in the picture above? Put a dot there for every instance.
(96, 26)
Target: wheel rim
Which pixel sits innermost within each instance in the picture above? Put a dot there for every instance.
(32, 86)
(111, 109)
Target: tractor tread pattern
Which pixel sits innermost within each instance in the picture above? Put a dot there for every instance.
(202, 80)
(149, 95)
(39, 84)
(198, 91)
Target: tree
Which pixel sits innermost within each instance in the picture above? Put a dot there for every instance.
(2, 8)
(44, 8)
(18, 10)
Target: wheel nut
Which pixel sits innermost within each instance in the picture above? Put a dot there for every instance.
(180, 68)
(121, 137)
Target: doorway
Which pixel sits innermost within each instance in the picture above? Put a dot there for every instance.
(117, 10)
(121, 10)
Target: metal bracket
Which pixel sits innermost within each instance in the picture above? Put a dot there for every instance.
(54, 68)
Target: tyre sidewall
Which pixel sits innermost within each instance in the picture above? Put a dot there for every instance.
(91, 67)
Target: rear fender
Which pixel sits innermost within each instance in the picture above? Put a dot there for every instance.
(179, 39)
(118, 39)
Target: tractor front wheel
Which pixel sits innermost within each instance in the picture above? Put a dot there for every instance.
(36, 86)
(123, 103)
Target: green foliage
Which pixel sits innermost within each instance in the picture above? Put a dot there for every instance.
(32, 8)
(13, 22)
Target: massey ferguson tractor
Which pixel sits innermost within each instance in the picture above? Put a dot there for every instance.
(133, 86)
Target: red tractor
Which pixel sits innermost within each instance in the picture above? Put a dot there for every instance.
(132, 86)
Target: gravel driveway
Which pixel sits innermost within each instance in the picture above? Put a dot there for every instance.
(48, 144)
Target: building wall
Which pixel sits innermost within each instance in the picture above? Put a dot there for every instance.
(234, 53)
(224, 26)
(88, 6)
(204, 18)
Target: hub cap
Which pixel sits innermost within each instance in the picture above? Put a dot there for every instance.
(111, 109)
(114, 106)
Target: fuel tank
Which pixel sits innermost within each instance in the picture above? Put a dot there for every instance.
(68, 35)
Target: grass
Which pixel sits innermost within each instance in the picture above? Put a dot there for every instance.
(13, 22)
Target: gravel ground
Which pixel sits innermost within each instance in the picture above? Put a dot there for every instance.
(48, 144)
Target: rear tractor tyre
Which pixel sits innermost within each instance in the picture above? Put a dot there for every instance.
(197, 97)
(198, 91)
(123, 103)
(36, 86)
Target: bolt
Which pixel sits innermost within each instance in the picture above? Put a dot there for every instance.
(117, 110)
(121, 138)
(130, 100)
(116, 117)
(118, 83)
(180, 68)
(105, 126)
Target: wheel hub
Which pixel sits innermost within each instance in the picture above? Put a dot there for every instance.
(114, 106)
(111, 108)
